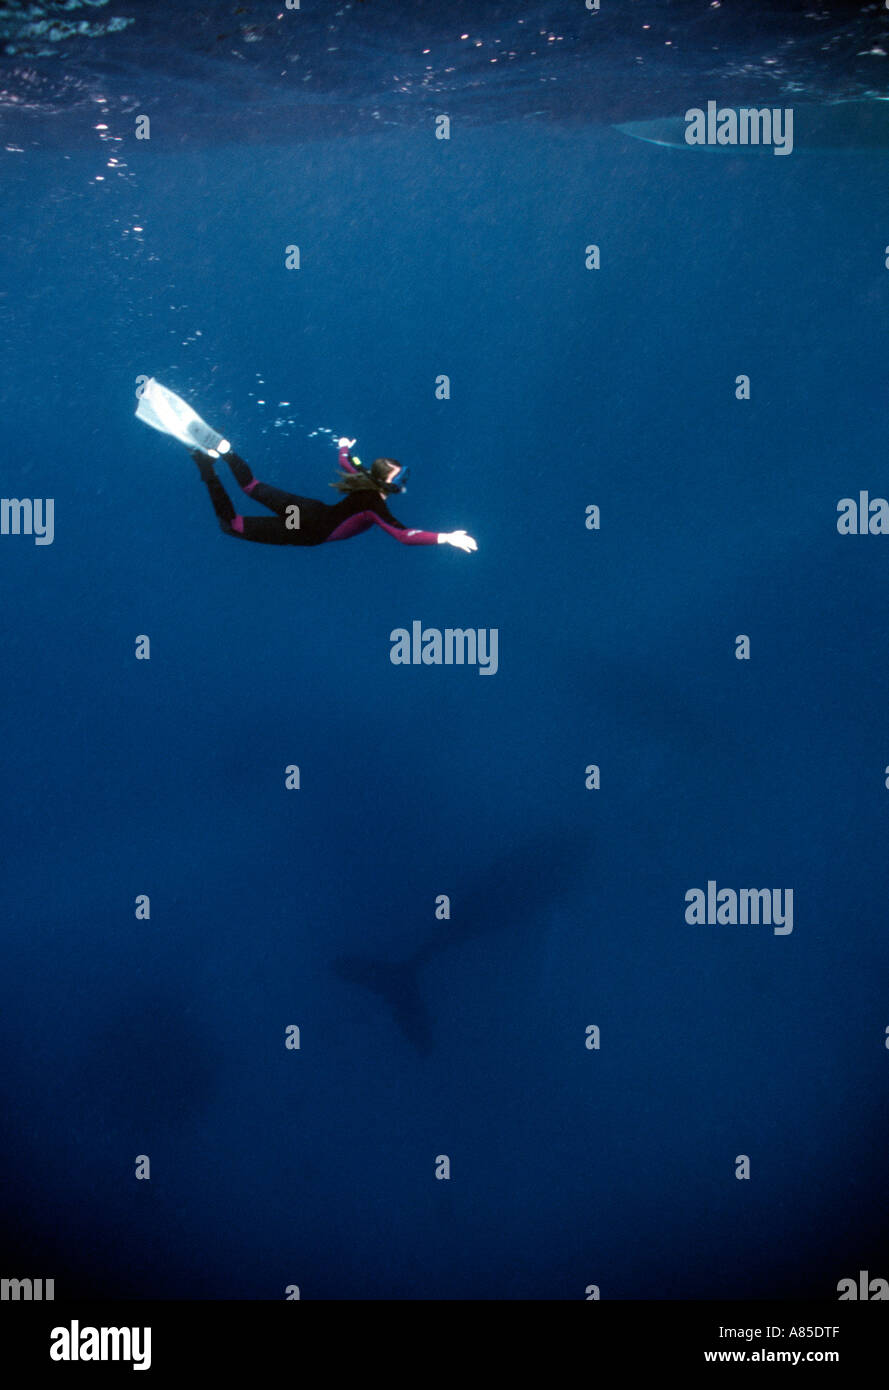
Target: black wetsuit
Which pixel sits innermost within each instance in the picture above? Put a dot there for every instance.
(300, 520)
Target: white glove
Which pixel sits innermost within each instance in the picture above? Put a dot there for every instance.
(345, 443)
(458, 539)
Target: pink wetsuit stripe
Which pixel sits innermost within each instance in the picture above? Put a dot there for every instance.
(403, 534)
(352, 526)
(237, 524)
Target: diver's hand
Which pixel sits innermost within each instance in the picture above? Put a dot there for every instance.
(345, 443)
(458, 539)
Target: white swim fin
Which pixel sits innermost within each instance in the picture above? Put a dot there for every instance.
(165, 411)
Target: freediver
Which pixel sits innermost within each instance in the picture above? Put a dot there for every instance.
(298, 520)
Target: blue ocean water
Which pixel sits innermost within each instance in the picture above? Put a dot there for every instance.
(569, 387)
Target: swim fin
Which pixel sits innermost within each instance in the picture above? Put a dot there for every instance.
(169, 413)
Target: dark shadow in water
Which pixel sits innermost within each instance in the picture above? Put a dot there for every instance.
(147, 1068)
(516, 888)
(397, 984)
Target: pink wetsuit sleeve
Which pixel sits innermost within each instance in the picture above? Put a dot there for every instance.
(344, 461)
(406, 537)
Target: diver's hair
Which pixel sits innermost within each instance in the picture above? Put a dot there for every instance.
(371, 479)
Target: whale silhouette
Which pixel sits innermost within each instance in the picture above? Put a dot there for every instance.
(514, 890)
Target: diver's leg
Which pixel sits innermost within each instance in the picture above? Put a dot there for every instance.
(268, 530)
(222, 503)
(242, 474)
(275, 498)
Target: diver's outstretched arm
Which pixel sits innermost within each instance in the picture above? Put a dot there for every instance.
(346, 463)
(410, 537)
(387, 521)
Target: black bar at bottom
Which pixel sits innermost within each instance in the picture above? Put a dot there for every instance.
(630, 1337)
